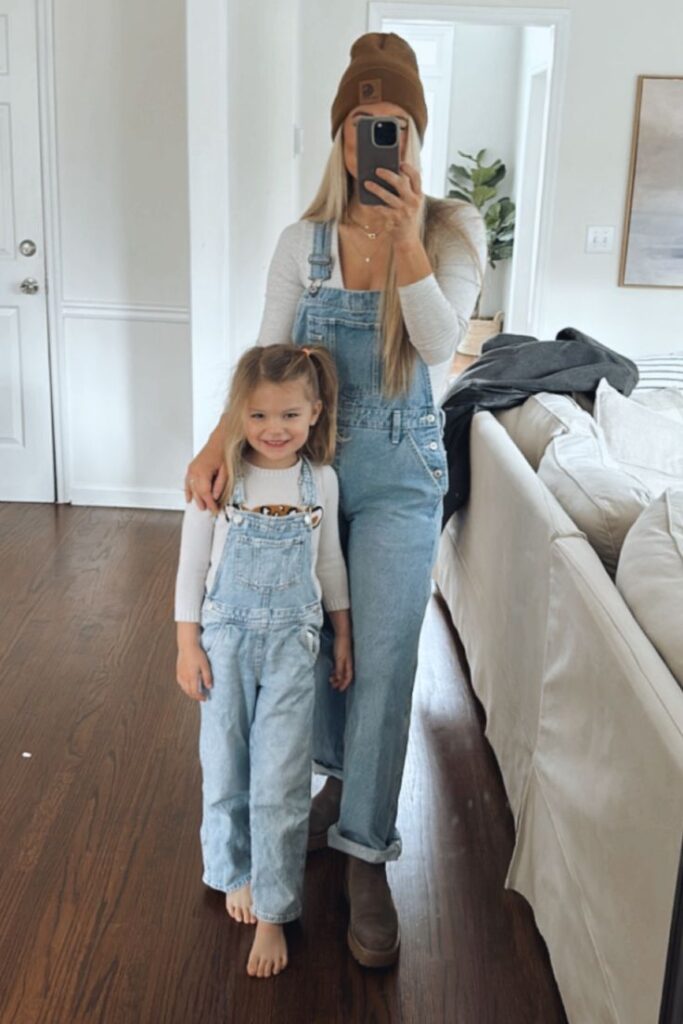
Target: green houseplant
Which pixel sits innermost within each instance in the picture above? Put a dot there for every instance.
(478, 183)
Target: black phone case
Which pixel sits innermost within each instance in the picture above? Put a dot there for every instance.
(370, 157)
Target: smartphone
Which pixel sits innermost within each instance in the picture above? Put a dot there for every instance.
(378, 141)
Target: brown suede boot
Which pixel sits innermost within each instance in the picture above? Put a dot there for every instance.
(324, 812)
(374, 935)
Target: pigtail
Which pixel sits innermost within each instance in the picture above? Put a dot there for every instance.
(322, 440)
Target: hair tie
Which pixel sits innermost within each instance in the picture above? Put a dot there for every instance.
(307, 351)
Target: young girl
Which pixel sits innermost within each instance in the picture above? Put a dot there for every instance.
(254, 577)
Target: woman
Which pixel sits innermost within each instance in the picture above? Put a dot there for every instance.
(389, 290)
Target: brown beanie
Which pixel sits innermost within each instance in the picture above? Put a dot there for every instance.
(383, 68)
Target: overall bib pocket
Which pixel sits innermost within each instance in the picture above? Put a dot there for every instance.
(354, 343)
(266, 565)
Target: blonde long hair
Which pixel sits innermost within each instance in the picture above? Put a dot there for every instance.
(281, 364)
(331, 202)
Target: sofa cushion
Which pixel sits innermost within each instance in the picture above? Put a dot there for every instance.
(650, 575)
(601, 496)
(666, 401)
(639, 435)
(533, 424)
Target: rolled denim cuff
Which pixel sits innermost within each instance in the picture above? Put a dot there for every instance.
(323, 769)
(337, 841)
(275, 918)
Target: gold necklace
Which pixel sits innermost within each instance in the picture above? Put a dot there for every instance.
(365, 228)
(351, 239)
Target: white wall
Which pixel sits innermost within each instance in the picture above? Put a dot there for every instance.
(243, 177)
(263, 99)
(610, 44)
(121, 158)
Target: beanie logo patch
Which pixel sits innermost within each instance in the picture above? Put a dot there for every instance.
(370, 90)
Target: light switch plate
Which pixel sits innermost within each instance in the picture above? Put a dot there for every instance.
(599, 239)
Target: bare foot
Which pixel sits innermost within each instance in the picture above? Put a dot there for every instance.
(269, 952)
(238, 905)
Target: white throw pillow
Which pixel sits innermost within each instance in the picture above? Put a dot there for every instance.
(533, 424)
(639, 436)
(665, 401)
(602, 497)
(650, 575)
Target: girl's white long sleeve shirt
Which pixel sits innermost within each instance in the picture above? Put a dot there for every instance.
(204, 535)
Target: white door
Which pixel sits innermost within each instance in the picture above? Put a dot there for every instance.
(26, 450)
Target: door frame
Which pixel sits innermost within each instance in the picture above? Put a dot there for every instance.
(559, 20)
(52, 237)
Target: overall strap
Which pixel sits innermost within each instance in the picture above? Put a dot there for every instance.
(320, 260)
(307, 488)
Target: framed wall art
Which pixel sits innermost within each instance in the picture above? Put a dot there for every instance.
(652, 247)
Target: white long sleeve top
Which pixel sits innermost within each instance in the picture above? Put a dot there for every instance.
(436, 310)
(204, 535)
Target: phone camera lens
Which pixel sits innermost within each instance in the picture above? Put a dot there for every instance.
(385, 133)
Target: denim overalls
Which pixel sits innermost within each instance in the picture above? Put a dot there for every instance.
(392, 473)
(261, 622)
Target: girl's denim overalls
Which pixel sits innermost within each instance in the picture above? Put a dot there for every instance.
(261, 622)
(392, 473)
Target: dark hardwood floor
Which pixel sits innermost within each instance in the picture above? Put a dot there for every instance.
(103, 915)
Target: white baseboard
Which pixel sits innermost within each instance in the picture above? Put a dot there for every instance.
(128, 498)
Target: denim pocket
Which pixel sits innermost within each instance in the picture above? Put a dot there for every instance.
(211, 630)
(427, 447)
(310, 638)
(268, 565)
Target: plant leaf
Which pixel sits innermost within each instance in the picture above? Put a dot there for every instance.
(455, 194)
(481, 194)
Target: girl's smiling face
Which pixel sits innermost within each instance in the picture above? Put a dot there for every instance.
(277, 421)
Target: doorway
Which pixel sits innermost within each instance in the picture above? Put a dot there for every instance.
(500, 90)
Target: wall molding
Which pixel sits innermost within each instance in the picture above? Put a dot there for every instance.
(129, 497)
(87, 309)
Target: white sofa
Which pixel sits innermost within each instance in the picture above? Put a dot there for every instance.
(586, 721)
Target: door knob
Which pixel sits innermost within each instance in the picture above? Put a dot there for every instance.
(29, 286)
(27, 247)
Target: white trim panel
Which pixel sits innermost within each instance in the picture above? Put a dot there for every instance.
(84, 309)
(122, 498)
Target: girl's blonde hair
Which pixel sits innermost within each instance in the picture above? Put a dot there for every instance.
(281, 364)
(331, 202)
